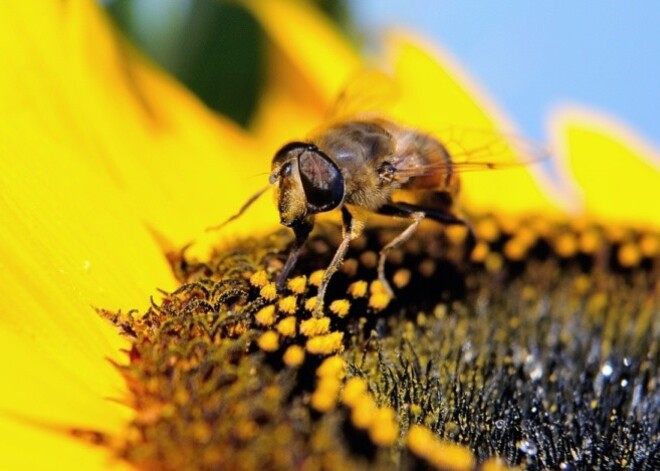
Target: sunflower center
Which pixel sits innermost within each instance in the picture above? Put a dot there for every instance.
(540, 347)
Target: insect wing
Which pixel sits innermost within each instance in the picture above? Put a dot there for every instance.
(472, 149)
(368, 92)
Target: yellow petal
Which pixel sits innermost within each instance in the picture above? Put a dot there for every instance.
(309, 62)
(69, 242)
(437, 97)
(617, 173)
(182, 167)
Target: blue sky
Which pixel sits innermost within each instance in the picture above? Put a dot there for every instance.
(532, 56)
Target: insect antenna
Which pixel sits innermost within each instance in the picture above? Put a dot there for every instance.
(240, 212)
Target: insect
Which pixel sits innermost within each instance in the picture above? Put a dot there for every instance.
(359, 165)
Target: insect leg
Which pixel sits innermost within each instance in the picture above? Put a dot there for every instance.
(394, 210)
(301, 231)
(240, 212)
(350, 231)
(417, 213)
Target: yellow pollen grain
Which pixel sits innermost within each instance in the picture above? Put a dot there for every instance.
(324, 397)
(493, 262)
(325, 344)
(566, 245)
(649, 245)
(340, 307)
(629, 254)
(297, 285)
(294, 356)
(269, 341)
(369, 259)
(379, 301)
(443, 455)
(427, 267)
(480, 252)
(310, 303)
(358, 289)
(401, 278)
(268, 291)
(515, 249)
(350, 267)
(589, 241)
(259, 278)
(456, 234)
(487, 230)
(332, 367)
(363, 411)
(581, 284)
(315, 326)
(384, 429)
(287, 305)
(266, 315)
(316, 277)
(287, 326)
(526, 235)
(376, 287)
(353, 390)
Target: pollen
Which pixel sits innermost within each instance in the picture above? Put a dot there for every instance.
(369, 259)
(266, 315)
(479, 252)
(629, 255)
(316, 277)
(515, 249)
(401, 278)
(358, 289)
(364, 411)
(310, 303)
(287, 326)
(294, 356)
(566, 245)
(340, 307)
(493, 262)
(427, 268)
(456, 234)
(384, 429)
(315, 326)
(332, 367)
(353, 390)
(443, 455)
(324, 397)
(379, 301)
(297, 285)
(259, 278)
(287, 305)
(649, 245)
(590, 241)
(326, 344)
(350, 267)
(268, 292)
(269, 341)
(487, 230)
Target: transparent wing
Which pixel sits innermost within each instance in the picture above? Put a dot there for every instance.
(369, 91)
(472, 149)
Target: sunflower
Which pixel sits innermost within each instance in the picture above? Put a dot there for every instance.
(544, 354)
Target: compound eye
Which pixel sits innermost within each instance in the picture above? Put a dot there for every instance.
(285, 171)
(322, 181)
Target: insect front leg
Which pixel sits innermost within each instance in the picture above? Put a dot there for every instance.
(350, 231)
(301, 231)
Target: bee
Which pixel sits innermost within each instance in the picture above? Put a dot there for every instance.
(357, 166)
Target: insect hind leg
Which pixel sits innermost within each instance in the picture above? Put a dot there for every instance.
(417, 214)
